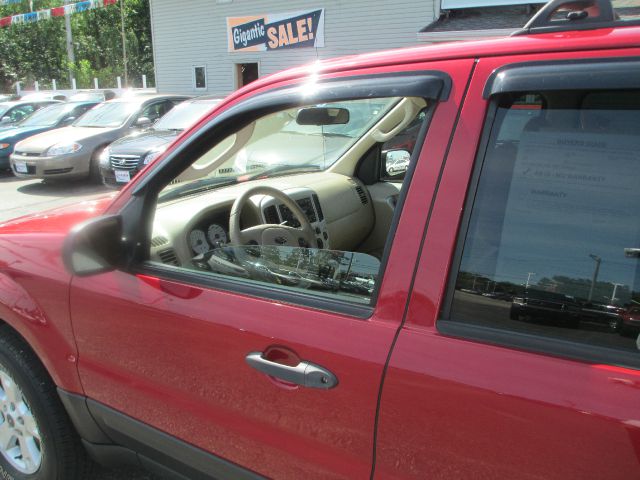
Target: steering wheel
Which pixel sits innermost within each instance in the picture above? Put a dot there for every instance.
(268, 233)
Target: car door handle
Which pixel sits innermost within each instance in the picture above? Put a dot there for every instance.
(305, 374)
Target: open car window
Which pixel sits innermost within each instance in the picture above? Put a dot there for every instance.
(257, 150)
(265, 207)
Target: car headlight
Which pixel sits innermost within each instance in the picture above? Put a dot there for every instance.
(151, 156)
(4, 145)
(63, 149)
(104, 158)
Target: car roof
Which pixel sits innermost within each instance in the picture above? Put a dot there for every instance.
(83, 102)
(14, 103)
(74, 103)
(142, 98)
(43, 96)
(574, 40)
(205, 99)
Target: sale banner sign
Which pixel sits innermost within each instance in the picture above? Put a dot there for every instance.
(259, 33)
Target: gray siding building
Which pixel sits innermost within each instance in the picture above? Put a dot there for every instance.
(215, 46)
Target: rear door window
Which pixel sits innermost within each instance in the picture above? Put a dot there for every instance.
(553, 242)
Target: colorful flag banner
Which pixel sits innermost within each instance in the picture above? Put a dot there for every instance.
(52, 12)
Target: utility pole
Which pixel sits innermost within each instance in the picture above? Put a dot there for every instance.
(71, 57)
(594, 279)
(529, 275)
(124, 45)
(613, 295)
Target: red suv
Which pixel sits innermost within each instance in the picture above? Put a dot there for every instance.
(266, 300)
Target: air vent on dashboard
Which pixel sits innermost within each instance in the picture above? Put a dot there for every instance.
(316, 201)
(159, 241)
(168, 257)
(271, 215)
(362, 195)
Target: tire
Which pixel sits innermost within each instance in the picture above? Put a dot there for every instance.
(37, 440)
(625, 331)
(573, 322)
(94, 167)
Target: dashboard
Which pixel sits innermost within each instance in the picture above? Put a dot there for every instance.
(212, 232)
(309, 203)
(337, 207)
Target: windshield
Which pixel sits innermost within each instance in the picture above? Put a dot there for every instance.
(107, 115)
(3, 108)
(277, 144)
(48, 116)
(362, 114)
(183, 115)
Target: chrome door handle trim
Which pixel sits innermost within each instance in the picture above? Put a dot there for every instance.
(305, 374)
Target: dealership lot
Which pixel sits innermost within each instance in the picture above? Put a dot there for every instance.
(22, 197)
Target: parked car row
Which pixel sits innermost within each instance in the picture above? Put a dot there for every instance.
(12, 112)
(101, 95)
(68, 140)
(124, 158)
(73, 151)
(568, 311)
(54, 116)
(14, 109)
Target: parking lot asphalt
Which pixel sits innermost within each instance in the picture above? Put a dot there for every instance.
(22, 197)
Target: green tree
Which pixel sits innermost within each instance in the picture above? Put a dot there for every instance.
(37, 51)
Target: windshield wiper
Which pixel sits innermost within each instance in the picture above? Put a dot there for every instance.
(196, 186)
(335, 134)
(172, 130)
(281, 170)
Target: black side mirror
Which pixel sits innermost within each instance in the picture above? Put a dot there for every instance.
(94, 246)
(68, 120)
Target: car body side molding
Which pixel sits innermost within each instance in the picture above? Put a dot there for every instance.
(97, 424)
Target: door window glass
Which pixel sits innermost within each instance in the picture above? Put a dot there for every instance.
(266, 206)
(23, 111)
(553, 242)
(156, 110)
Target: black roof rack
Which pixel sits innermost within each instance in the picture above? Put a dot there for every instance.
(563, 15)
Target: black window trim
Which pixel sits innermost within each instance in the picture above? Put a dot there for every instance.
(539, 344)
(593, 354)
(445, 311)
(431, 85)
(614, 73)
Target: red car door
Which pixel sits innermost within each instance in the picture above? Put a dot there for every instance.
(495, 373)
(161, 355)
